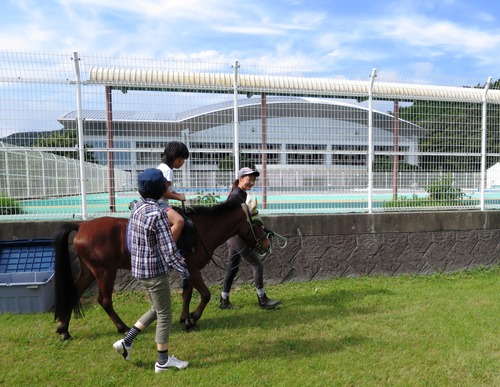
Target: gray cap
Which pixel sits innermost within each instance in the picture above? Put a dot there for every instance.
(247, 171)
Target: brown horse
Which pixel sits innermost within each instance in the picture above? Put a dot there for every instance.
(100, 245)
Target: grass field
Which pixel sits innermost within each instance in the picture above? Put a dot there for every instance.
(440, 330)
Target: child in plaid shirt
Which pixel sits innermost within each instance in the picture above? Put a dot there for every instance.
(153, 255)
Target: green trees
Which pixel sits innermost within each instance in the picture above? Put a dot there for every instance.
(383, 163)
(65, 139)
(225, 169)
(454, 133)
(441, 192)
(9, 206)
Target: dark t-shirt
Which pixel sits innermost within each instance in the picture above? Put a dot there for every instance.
(237, 196)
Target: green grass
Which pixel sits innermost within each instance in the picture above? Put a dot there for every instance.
(440, 330)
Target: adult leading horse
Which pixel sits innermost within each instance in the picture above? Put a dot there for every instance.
(100, 245)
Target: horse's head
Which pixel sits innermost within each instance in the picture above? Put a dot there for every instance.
(216, 224)
(255, 236)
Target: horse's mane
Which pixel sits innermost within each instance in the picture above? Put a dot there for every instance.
(219, 209)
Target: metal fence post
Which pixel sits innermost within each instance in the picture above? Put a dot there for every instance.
(484, 120)
(236, 122)
(81, 145)
(370, 141)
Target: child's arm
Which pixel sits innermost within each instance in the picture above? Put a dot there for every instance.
(174, 195)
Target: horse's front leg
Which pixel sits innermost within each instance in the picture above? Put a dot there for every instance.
(197, 282)
(186, 301)
(105, 298)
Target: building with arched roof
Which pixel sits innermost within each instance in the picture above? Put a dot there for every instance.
(296, 133)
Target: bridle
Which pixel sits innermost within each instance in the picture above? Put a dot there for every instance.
(254, 220)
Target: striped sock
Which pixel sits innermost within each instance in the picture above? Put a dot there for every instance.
(131, 335)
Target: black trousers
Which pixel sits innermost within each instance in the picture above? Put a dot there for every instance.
(237, 250)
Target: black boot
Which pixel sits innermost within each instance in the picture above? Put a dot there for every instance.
(266, 303)
(225, 304)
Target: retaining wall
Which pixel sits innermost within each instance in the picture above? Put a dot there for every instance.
(348, 245)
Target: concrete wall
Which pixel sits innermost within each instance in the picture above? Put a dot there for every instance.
(349, 245)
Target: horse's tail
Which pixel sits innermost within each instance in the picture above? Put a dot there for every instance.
(66, 297)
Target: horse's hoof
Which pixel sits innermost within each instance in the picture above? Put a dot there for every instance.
(189, 324)
(65, 336)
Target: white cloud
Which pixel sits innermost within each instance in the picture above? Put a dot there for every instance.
(485, 17)
(250, 30)
(390, 34)
(421, 31)
(166, 11)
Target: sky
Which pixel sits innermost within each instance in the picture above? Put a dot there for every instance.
(438, 42)
(427, 39)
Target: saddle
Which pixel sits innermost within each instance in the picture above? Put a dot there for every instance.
(187, 239)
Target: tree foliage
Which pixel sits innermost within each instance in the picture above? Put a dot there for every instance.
(225, 169)
(383, 163)
(9, 206)
(442, 192)
(454, 127)
(65, 139)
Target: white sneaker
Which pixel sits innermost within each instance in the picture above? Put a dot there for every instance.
(122, 349)
(172, 362)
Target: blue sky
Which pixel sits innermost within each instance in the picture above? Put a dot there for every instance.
(426, 39)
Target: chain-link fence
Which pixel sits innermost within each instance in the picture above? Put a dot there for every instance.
(76, 129)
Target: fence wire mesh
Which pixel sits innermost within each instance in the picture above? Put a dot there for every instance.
(76, 129)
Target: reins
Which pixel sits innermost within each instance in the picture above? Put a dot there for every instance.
(250, 220)
(281, 241)
(270, 235)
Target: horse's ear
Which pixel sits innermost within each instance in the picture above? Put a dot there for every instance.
(245, 209)
(253, 207)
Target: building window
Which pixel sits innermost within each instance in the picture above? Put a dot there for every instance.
(256, 157)
(209, 153)
(306, 154)
(349, 154)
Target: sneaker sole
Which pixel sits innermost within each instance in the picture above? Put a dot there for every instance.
(159, 370)
(120, 348)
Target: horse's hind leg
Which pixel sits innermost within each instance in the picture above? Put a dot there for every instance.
(197, 281)
(106, 284)
(85, 279)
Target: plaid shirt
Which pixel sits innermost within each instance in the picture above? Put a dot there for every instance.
(152, 249)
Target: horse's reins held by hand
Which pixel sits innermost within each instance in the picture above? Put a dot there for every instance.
(281, 245)
(281, 241)
(270, 236)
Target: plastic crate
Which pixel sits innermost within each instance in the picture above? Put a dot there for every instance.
(26, 255)
(27, 292)
(26, 276)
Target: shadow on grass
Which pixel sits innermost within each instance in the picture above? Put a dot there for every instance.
(290, 349)
(304, 309)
